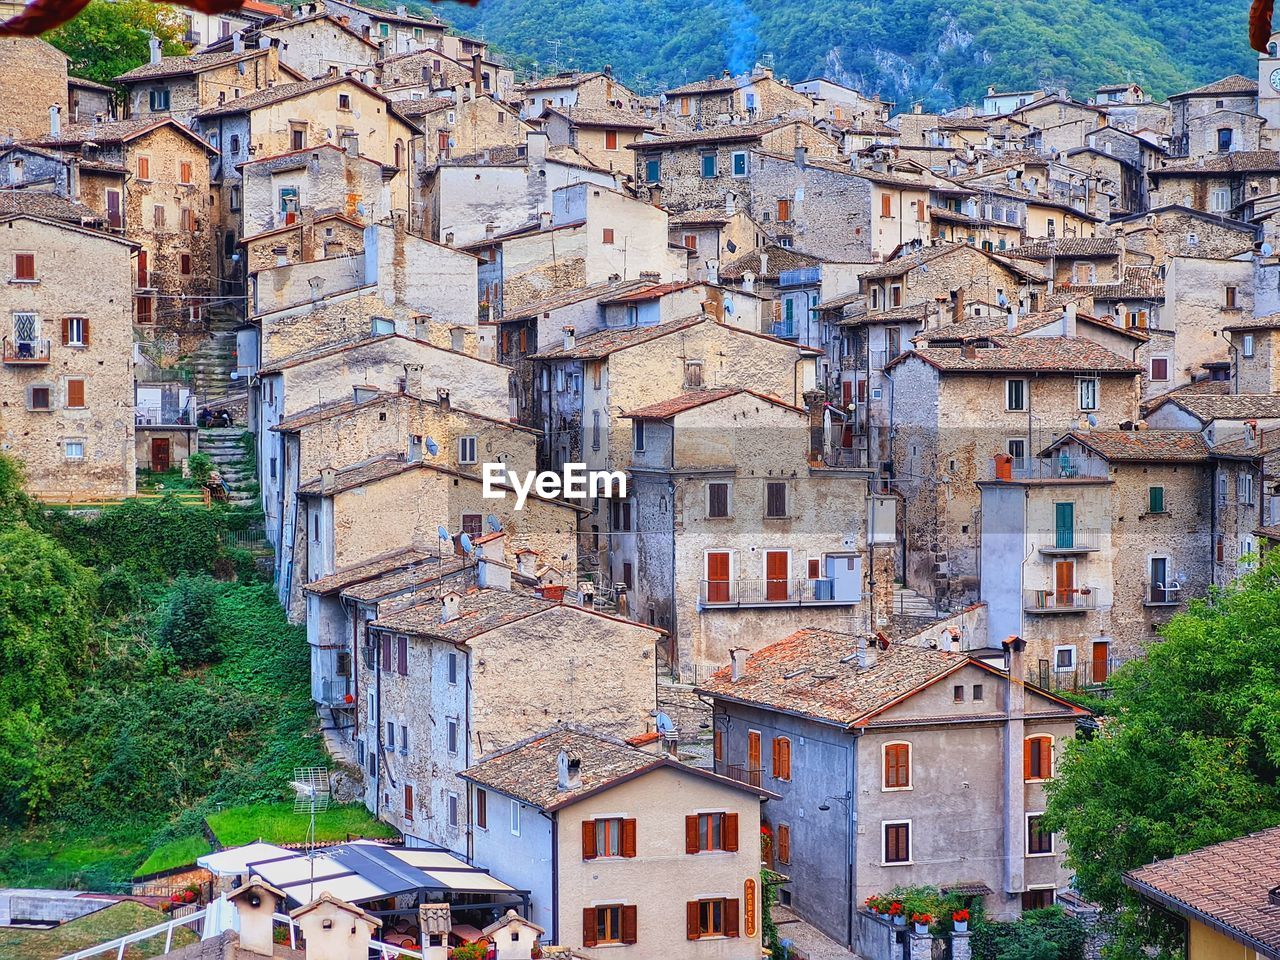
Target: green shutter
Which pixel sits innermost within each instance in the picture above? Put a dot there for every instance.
(1065, 523)
(1155, 500)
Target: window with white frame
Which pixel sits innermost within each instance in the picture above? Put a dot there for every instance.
(466, 449)
(896, 842)
(451, 733)
(1219, 200)
(1087, 389)
(73, 449)
(515, 818)
(453, 808)
(1246, 345)
(1064, 658)
(1015, 395)
(1039, 839)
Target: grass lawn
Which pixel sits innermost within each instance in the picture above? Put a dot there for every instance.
(106, 924)
(277, 823)
(175, 853)
(62, 854)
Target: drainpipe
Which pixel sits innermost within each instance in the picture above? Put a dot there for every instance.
(1235, 365)
(555, 878)
(851, 827)
(466, 753)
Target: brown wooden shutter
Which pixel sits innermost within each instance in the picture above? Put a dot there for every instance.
(730, 832)
(588, 839)
(691, 834)
(1046, 757)
(692, 920)
(66, 330)
(1026, 759)
(776, 747)
(731, 910)
(629, 838)
(785, 752)
(386, 653)
(75, 393)
(84, 330)
(482, 809)
(402, 656)
(588, 926)
(629, 923)
(717, 747)
(784, 843)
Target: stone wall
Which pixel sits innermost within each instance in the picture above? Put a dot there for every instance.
(33, 75)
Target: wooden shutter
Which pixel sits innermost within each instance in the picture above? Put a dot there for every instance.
(729, 833)
(66, 330)
(784, 752)
(691, 834)
(588, 926)
(731, 910)
(402, 655)
(886, 205)
(692, 921)
(386, 652)
(783, 834)
(84, 330)
(1026, 759)
(1045, 746)
(717, 746)
(629, 839)
(629, 923)
(75, 393)
(588, 839)
(776, 747)
(482, 809)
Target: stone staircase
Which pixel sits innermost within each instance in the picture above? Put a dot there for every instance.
(215, 359)
(225, 447)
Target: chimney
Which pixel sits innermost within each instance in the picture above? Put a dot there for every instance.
(413, 379)
(435, 921)
(730, 204)
(544, 219)
(1250, 434)
(568, 771)
(738, 659)
(401, 10)
(868, 652)
(492, 574)
(442, 399)
(569, 339)
(263, 41)
(1014, 787)
(449, 605)
(801, 156)
(334, 929)
(237, 42)
(55, 120)
(955, 639)
(969, 350)
(813, 400)
(1069, 319)
(957, 306)
(1012, 319)
(489, 230)
(155, 49)
(255, 902)
(477, 74)
(527, 563)
(655, 194)
(327, 478)
(764, 264)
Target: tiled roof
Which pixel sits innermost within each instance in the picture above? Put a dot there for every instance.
(780, 259)
(556, 82)
(1045, 354)
(1242, 161)
(604, 117)
(1234, 84)
(89, 84)
(844, 300)
(516, 155)
(1243, 448)
(114, 131)
(569, 297)
(1269, 322)
(391, 16)
(280, 92)
(408, 578)
(479, 611)
(38, 203)
(368, 570)
(604, 342)
(693, 218)
(1143, 446)
(420, 108)
(1228, 884)
(903, 264)
(917, 312)
(1196, 388)
(1136, 283)
(698, 398)
(1069, 247)
(191, 63)
(1271, 532)
(360, 474)
(651, 292)
(1231, 406)
(724, 134)
(720, 84)
(815, 673)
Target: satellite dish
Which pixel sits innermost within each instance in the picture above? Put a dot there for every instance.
(1267, 249)
(465, 541)
(664, 723)
(1002, 300)
(1011, 175)
(432, 447)
(1093, 420)
(443, 531)
(494, 523)
(731, 247)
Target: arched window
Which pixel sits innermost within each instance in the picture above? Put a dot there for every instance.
(897, 766)
(1037, 758)
(399, 151)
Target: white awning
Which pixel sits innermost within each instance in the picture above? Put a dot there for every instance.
(236, 860)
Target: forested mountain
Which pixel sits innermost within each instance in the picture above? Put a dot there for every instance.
(945, 52)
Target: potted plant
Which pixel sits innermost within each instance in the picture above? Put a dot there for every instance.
(960, 918)
(922, 921)
(896, 915)
(877, 904)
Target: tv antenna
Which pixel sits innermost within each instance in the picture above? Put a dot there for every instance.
(311, 795)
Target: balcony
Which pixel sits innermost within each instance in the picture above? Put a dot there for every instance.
(1162, 595)
(800, 276)
(1082, 676)
(1053, 468)
(334, 692)
(822, 592)
(26, 352)
(1061, 541)
(784, 329)
(752, 776)
(1074, 600)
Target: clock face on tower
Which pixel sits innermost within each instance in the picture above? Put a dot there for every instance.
(1275, 79)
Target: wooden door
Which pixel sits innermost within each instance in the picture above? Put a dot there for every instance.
(753, 756)
(1064, 525)
(777, 565)
(160, 454)
(1101, 661)
(1064, 580)
(115, 214)
(846, 395)
(718, 577)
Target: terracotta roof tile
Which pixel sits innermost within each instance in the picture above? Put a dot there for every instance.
(1136, 283)
(557, 81)
(1231, 406)
(479, 612)
(569, 297)
(1228, 882)
(651, 292)
(1065, 355)
(604, 117)
(38, 203)
(277, 94)
(1142, 446)
(1067, 247)
(780, 259)
(698, 398)
(1234, 84)
(604, 342)
(374, 567)
(1242, 161)
(692, 218)
(723, 134)
(1269, 322)
(192, 63)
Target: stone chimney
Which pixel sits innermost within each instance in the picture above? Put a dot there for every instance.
(814, 402)
(730, 204)
(477, 73)
(764, 264)
(493, 574)
(544, 219)
(655, 194)
(527, 563)
(401, 9)
(569, 339)
(255, 903)
(1069, 319)
(1250, 434)
(327, 478)
(868, 653)
(55, 120)
(237, 42)
(1014, 786)
(413, 379)
(957, 306)
(568, 771)
(738, 659)
(969, 350)
(334, 929)
(442, 399)
(449, 606)
(1012, 320)
(435, 921)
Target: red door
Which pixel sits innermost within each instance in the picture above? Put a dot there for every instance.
(1064, 582)
(776, 573)
(718, 577)
(846, 395)
(160, 454)
(1101, 660)
(115, 217)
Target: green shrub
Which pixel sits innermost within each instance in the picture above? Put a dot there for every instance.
(121, 593)
(1048, 934)
(186, 623)
(201, 465)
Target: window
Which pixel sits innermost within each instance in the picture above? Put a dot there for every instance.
(515, 818)
(1244, 488)
(235, 143)
(234, 198)
(886, 205)
(717, 499)
(710, 831)
(384, 29)
(184, 262)
(712, 918)
(157, 216)
(628, 576)
(298, 138)
(452, 662)
(472, 524)
(740, 163)
(408, 802)
(75, 331)
(611, 139)
(344, 101)
(775, 499)
(1159, 368)
(452, 735)
(453, 809)
(75, 393)
(784, 210)
(1064, 658)
(782, 842)
(1037, 758)
(1015, 395)
(159, 101)
(1088, 393)
(782, 758)
(1017, 448)
(184, 172)
(622, 516)
(1246, 345)
(693, 374)
(1038, 899)
(607, 235)
(1219, 201)
(144, 168)
(404, 739)
(611, 924)
(652, 171)
(73, 450)
(608, 837)
(187, 217)
(708, 165)
(978, 693)
(482, 809)
(39, 398)
(1039, 840)
(24, 267)
(897, 842)
(1155, 499)
(402, 655)
(637, 435)
(1224, 139)
(466, 449)
(1229, 299)
(391, 735)
(1051, 229)
(957, 693)
(897, 766)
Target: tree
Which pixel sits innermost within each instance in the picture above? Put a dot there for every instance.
(109, 38)
(1187, 755)
(187, 622)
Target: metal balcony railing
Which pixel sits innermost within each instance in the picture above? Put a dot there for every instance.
(1051, 468)
(784, 329)
(752, 776)
(769, 592)
(1092, 673)
(334, 691)
(800, 276)
(26, 351)
(1163, 595)
(1073, 600)
(1062, 540)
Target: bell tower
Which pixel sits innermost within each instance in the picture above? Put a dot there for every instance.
(1269, 92)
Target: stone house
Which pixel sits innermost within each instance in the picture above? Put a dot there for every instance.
(148, 178)
(309, 45)
(713, 237)
(750, 96)
(708, 169)
(593, 828)
(419, 74)
(1219, 184)
(760, 272)
(1175, 230)
(307, 239)
(1060, 121)
(955, 273)
(591, 90)
(1074, 260)
(464, 125)
(1245, 504)
(876, 749)
(598, 133)
(181, 87)
(34, 76)
(505, 188)
(204, 29)
(1109, 533)
(1216, 118)
(762, 533)
(87, 100)
(1255, 343)
(450, 686)
(394, 31)
(838, 102)
(819, 207)
(971, 403)
(67, 352)
(858, 135)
